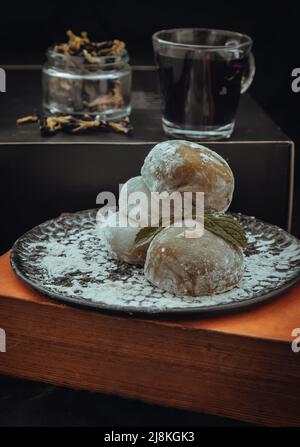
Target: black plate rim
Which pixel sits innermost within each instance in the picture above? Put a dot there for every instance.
(134, 310)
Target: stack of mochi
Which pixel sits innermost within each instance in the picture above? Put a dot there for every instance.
(200, 266)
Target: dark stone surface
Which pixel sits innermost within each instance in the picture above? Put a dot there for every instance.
(24, 93)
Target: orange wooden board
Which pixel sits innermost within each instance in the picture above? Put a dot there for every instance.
(274, 319)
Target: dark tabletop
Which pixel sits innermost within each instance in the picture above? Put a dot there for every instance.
(23, 97)
(24, 403)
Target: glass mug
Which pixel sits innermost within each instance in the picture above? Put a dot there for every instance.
(202, 73)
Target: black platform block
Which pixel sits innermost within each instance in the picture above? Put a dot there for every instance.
(42, 177)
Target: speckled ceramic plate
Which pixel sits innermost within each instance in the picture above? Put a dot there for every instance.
(65, 259)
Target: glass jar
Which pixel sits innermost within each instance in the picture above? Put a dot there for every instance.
(99, 87)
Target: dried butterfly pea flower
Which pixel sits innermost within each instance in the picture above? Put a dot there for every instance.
(91, 51)
(122, 126)
(112, 100)
(50, 125)
(92, 59)
(28, 119)
(82, 125)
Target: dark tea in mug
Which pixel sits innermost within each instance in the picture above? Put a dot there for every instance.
(202, 74)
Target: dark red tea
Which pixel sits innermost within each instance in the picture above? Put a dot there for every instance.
(200, 91)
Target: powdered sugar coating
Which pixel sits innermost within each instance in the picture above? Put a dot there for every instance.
(179, 165)
(135, 207)
(195, 267)
(119, 237)
(119, 241)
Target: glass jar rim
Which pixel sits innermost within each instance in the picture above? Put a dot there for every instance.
(102, 61)
(248, 40)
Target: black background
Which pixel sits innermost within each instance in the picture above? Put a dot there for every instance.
(28, 28)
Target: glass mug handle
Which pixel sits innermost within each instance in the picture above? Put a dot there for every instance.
(249, 74)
